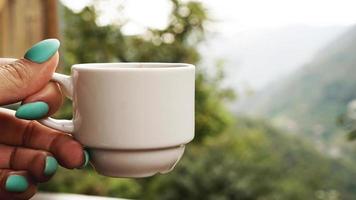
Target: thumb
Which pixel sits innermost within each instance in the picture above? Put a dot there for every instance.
(23, 77)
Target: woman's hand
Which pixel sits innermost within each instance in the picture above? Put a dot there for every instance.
(29, 151)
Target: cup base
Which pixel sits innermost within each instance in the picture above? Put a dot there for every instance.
(135, 163)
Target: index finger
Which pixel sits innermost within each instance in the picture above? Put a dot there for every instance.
(31, 134)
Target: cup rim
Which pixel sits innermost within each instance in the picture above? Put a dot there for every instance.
(131, 66)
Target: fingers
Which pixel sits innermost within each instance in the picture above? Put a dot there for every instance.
(16, 185)
(41, 104)
(41, 165)
(31, 134)
(23, 77)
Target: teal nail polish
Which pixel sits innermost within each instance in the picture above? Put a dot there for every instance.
(50, 166)
(16, 183)
(34, 110)
(86, 157)
(43, 50)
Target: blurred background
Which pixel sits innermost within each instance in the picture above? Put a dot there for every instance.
(275, 89)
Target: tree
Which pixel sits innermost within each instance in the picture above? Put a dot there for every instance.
(348, 120)
(85, 41)
(251, 161)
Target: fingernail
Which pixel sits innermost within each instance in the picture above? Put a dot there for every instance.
(16, 183)
(34, 110)
(51, 166)
(43, 50)
(86, 157)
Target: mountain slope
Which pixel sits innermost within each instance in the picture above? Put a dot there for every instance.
(310, 100)
(252, 58)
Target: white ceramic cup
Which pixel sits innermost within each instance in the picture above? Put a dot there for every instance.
(135, 118)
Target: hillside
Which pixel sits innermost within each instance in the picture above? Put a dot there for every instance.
(310, 100)
(255, 57)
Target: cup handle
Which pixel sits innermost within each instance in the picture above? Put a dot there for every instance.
(67, 88)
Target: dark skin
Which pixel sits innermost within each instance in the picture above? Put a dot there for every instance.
(24, 144)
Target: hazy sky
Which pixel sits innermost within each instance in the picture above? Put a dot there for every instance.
(233, 15)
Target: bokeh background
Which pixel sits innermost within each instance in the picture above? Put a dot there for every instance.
(275, 84)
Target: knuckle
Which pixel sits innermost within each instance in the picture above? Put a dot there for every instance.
(16, 73)
(27, 133)
(39, 158)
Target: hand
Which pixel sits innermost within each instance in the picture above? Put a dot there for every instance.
(29, 151)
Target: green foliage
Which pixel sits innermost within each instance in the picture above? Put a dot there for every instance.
(251, 161)
(352, 135)
(211, 115)
(85, 41)
(90, 183)
(348, 120)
